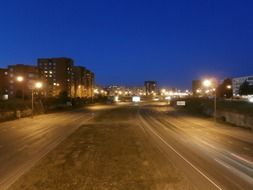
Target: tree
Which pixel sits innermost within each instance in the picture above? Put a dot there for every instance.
(225, 89)
(246, 88)
(63, 96)
(19, 94)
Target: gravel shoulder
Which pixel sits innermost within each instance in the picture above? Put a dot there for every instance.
(110, 152)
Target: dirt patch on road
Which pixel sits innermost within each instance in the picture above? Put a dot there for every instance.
(110, 153)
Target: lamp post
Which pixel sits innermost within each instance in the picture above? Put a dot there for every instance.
(21, 80)
(209, 83)
(37, 85)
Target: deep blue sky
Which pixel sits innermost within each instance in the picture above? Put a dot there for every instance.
(129, 41)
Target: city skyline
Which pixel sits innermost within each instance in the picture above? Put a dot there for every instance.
(126, 94)
(133, 41)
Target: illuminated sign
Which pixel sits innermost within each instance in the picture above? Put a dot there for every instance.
(181, 103)
(136, 98)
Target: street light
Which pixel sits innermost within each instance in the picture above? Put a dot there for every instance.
(37, 85)
(208, 84)
(21, 79)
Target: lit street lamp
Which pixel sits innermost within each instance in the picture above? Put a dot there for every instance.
(208, 84)
(37, 85)
(21, 80)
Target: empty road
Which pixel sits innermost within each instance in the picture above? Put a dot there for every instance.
(23, 142)
(146, 146)
(212, 155)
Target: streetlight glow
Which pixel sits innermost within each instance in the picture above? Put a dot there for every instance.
(207, 83)
(38, 85)
(20, 79)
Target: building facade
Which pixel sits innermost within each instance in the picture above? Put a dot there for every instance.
(237, 82)
(79, 77)
(151, 87)
(21, 88)
(56, 75)
(89, 83)
(3, 84)
(196, 87)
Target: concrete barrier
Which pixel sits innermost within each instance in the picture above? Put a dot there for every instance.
(7, 115)
(4, 116)
(236, 119)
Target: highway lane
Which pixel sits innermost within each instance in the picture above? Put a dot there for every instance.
(213, 156)
(24, 142)
(109, 152)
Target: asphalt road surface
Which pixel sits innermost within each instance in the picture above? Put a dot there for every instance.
(130, 147)
(212, 155)
(24, 142)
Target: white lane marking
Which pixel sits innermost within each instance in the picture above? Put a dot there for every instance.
(181, 156)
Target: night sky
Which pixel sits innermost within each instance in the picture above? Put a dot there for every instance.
(129, 41)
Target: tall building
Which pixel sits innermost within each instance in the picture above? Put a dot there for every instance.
(27, 74)
(57, 75)
(196, 87)
(3, 84)
(79, 77)
(151, 87)
(89, 82)
(237, 82)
